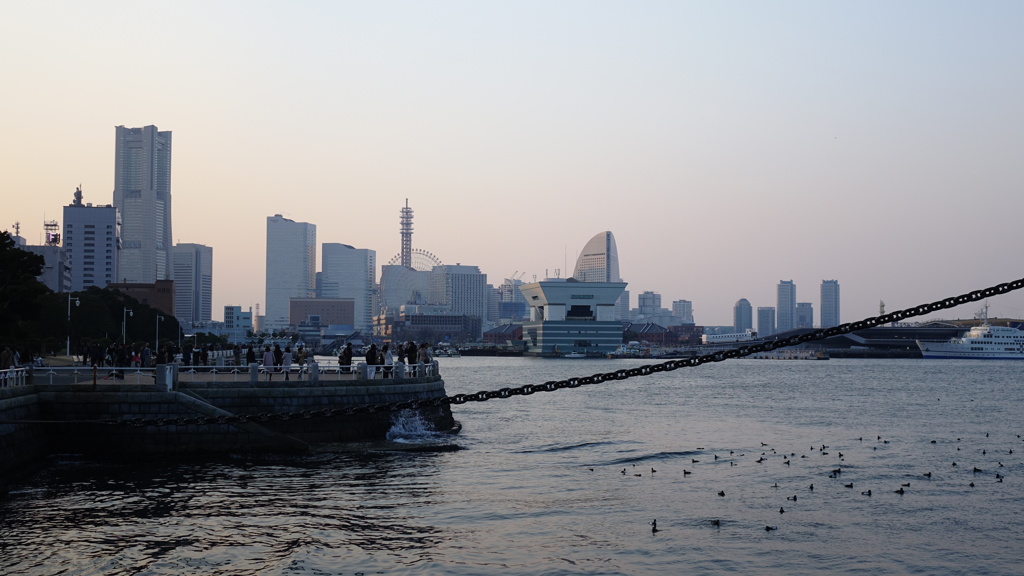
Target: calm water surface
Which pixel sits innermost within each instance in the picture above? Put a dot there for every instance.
(565, 483)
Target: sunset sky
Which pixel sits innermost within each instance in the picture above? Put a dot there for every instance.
(727, 145)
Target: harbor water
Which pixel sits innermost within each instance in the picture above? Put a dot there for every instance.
(723, 456)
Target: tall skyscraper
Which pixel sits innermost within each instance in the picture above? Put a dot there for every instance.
(742, 316)
(599, 260)
(786, 306)
(829, 303)
(649, 303)
(765, 320)
(291, 267)
(804, 315)
(92, 239)
(142, 194)
(460, 289)
(350, 272)
(193, 283)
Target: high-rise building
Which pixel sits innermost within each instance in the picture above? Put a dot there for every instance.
(142, 195)
(193, 283)
(92, 240)
(291, 268)
(804, 315)
(765, 320)
(649, 303)
(742, 316)
(829, 303)
(460, 289)
(350, 272)
(683, 309)
(599, 260)
(786, 306)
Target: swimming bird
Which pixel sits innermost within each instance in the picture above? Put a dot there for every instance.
(694, 460)
(976, 469)
(927, 474)
(811, 487)
(782, 510)
(716, 456)
(850, 485)
(686, 472)
(721, 492)
(793, 498)
(623, 471)
(654, 525)
(770, 528)
(900, 491)
(776, 485)
(866, 493)
(716, 522)
(759, 460)
(905, 484)
(971, 484)
(653, 470)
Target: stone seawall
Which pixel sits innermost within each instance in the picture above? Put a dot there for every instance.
(43, 419)
(22, 441)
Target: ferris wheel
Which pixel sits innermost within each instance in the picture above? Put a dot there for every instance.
(422, 261)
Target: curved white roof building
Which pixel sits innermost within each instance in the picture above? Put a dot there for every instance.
(599, 260)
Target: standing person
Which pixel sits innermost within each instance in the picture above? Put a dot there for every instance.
(345, 359)
(410, 353)
(286, 361)
(278, 355)
(147, 356)
(371, 362)
(389, 361)
(268, 362)
(423, 358)
(250, 355)
(6, 358)
(300, 359)
(237, 351)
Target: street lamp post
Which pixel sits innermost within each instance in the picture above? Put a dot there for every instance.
(156, 343)
(124, 324)
(77, 303)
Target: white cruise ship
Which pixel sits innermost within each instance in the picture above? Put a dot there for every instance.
(985, 342)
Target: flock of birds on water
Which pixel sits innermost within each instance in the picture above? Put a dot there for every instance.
(995, 473)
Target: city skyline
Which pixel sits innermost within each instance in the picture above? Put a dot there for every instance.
(726, 146)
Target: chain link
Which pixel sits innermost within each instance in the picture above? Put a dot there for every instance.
(576, 382)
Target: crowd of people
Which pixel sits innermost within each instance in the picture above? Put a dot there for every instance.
(379, 360)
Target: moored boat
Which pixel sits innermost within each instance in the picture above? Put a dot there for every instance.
(983, 342)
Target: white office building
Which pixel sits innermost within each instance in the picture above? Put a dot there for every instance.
(291, 268)
(142, 195)
(193, 283)
(349, 272)
(92, 239)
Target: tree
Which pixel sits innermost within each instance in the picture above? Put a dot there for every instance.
(20, 292)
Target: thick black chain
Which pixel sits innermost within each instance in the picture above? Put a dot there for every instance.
(623, 374)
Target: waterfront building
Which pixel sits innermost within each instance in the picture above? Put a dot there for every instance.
(291, 268)
(830, 303)
(238, 323)
(804, 315)
(742, 316)
(571, 316)
(425, 323)
(683, 309)
(193, 283)
(158, 295)
(649, 304)
(327, 311)
(400, 285)
(461, 290)
(599, 262)
(349, 272)
(785, 306)
(92, 241)
(766, 320)
(142, 195)
(56, 273)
